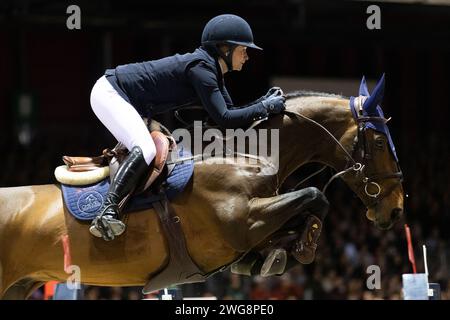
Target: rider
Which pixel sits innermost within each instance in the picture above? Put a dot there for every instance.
(129, 92)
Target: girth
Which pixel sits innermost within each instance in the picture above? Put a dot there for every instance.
(179, 267)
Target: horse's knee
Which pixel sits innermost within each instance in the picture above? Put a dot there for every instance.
(314, 194)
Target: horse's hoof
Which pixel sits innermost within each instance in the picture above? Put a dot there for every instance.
(303, 253)
(304, 249)
(275, 263)
(247, 264)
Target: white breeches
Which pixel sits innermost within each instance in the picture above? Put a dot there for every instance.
(121, 119)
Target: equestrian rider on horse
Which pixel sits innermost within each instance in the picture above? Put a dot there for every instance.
(129, 92)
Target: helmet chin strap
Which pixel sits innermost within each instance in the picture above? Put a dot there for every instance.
(228, 58)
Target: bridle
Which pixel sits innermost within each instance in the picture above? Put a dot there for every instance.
(361, 144)
(364, 149)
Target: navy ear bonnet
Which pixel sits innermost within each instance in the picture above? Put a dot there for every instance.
(371, 108)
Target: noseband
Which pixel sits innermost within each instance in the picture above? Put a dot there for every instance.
(362, 147)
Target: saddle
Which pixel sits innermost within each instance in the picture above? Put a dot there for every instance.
(99, 167)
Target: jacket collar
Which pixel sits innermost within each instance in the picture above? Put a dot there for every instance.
(212, 60)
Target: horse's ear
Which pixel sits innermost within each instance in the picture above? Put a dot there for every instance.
(370, 106)
(363, 91)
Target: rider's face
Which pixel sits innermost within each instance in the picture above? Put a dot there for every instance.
(239, 57)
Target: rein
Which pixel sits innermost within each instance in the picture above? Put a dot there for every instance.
(360, 144)
(357, 167)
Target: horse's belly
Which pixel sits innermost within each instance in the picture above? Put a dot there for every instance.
(127, 260)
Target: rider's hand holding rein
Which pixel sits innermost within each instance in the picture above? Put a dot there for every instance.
(275, 103)
(273, 90)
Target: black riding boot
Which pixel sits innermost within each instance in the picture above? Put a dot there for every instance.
(107, 224)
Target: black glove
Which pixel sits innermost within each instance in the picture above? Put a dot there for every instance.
(274, 103)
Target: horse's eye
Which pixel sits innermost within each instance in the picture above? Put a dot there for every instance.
(379, 143)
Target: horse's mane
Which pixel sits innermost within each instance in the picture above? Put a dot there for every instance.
(307, 93)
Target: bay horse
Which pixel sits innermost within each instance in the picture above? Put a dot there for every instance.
(228, 209)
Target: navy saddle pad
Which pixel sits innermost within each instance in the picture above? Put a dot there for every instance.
(84, 202)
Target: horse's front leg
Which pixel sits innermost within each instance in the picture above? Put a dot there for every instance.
(270, 215)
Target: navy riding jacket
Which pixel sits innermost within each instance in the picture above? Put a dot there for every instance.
(158, 86)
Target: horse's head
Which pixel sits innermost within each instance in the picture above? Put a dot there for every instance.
(378, 183)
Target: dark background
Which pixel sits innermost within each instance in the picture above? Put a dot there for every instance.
(301, 38)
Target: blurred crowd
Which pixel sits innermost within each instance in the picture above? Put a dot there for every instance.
(349, 243)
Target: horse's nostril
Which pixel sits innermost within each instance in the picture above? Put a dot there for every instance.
(395, 214)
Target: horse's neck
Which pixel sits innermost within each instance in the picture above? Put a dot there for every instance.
(302, 142)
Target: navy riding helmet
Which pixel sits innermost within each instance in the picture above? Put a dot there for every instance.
(227, 29)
